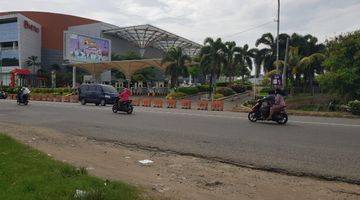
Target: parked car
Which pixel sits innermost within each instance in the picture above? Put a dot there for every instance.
(98, 94)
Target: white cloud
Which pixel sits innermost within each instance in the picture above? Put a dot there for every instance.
(197, 19)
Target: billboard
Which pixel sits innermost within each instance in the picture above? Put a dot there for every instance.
(81, 48)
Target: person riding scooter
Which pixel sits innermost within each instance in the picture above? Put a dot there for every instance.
(278, 104)
(23, 95)
(124, 96)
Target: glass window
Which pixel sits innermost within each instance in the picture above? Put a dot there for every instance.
(9, 32)
(109, 89)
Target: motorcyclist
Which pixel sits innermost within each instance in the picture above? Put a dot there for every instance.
(22, 93)
(279, 103)
(270, 99)
(124, 96)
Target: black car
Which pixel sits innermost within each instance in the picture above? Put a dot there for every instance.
(97, 93)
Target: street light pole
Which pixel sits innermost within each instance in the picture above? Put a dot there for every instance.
(277, 38)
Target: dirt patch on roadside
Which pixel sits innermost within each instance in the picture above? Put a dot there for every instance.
(176, 177)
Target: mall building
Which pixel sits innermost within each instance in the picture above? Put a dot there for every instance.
(64, 39)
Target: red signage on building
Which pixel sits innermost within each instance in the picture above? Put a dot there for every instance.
(31, 27)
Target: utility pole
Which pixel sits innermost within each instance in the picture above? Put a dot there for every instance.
(285, 64)
(277, 38)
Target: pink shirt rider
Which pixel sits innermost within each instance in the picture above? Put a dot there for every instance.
(125, 95)
(279, 100)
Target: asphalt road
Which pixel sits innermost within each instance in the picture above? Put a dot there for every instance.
(323, 147)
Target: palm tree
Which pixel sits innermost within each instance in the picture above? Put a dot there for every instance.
(233, 59)
(247, 62)
(176, 64)
(269, 50)
(32, 61)
(258, 57)
(309, 65)
(213, 57)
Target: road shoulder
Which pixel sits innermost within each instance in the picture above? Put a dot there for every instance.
(176, 177)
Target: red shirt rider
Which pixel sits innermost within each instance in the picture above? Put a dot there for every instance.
(124, 95)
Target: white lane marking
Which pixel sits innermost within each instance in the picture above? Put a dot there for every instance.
(245, 118)
(179, 112)
(326, 124)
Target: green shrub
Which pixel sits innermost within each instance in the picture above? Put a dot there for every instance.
(225, 91)
(250, 103)
(355, 107)
(188, 90)
(176, 95)
(265, 90)
(218, 96)
(238, 88)
(222, 84)
(204, 88)
(10, 90)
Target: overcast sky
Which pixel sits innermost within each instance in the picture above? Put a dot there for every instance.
(198, 19)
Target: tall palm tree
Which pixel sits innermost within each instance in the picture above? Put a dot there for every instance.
(258, 57)
(213, 57)
(309, 65)
(176, 60)
(270, 47)
(33, 62)
(246, 56)
(232, 60)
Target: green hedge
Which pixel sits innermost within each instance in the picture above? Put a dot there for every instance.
(218, 96)
(355, 107)
(225, 91)
(222, 84)
(176, 95)
(204, 88)
(10, 90)
(188, 90)
(55, 91)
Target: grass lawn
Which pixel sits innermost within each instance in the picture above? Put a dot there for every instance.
(26, 173)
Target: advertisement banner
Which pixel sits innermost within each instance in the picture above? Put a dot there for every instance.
(80, 48)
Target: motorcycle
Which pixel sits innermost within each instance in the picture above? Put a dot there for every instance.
(3, 95)
(261, 113)
(123, 106)
(24, 100)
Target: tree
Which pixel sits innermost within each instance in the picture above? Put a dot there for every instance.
(212, 59)
(33, 62)
(309, 65)
(258, 60)
(232, 60)
(342, 66)
(129, 55)
(245, 64)
(268, 53)
(176, 60)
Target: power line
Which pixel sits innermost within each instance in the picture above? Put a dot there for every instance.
(249, 29)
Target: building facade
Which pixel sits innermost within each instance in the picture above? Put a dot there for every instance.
(20, 38)
(41, 34)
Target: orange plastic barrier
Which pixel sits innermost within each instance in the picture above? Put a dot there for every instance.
(217, 106)
(171, 103)
(74, 99)
(202, 105)
(158, 103)
(146, 103)
(66, 99)
(136, 102)
(185, 104)
(57, 99)
(12, 96)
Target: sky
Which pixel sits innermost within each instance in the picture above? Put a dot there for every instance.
(242, 21)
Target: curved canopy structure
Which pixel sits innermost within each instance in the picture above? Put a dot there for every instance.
(150, 36)
(127, 67)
